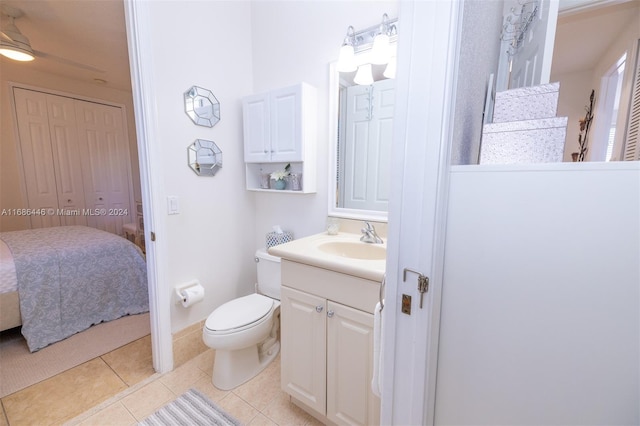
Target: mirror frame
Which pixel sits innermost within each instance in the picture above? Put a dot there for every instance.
(189, 98)
(192, 157)
(333, 209)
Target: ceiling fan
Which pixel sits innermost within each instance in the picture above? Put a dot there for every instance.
(16, 46)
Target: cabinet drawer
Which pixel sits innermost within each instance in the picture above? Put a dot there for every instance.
(346, 289)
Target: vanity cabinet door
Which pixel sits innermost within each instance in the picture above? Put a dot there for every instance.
(303, 339)
(350, 367)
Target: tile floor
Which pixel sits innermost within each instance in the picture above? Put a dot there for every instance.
(120, 388)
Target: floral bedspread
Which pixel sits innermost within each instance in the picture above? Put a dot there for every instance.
(71, 277)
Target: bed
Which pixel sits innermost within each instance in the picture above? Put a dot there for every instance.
(58, 281)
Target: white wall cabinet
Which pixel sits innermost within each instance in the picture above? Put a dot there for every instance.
(280, 129)
(75, 160)
(327, 349)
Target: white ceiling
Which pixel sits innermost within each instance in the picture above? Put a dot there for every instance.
(582, 37)
(92, 32)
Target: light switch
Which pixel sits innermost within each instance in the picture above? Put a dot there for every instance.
(172, 204)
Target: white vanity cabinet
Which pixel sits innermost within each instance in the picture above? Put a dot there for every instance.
(327, 343)
(279, 129)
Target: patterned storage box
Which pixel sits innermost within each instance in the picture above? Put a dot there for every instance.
(273, 238)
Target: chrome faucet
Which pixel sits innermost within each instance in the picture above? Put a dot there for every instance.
(369, 234)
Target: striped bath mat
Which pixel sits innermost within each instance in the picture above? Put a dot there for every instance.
(191, 408)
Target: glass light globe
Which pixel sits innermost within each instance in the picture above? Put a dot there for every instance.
(390, 70)
(381, 50)
(346, 59)
(364, 76)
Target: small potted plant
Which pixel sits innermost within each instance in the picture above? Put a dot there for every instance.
(280, 176)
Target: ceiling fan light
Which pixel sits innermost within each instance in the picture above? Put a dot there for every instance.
(16, 53)
(14, 45)
(364, 76)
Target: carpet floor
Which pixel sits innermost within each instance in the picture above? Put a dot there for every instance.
(20, 368)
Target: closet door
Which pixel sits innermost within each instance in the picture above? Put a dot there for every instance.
(104, 150)
(37, 156)
(66, 160)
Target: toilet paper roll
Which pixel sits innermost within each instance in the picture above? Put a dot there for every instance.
(192, 295)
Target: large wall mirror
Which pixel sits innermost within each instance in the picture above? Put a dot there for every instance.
(361, 131)
(584, 45)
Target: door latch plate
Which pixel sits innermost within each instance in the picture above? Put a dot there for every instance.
(406, 304)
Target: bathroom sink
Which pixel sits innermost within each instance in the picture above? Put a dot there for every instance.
(354, 250)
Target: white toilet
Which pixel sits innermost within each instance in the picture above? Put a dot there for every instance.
(244, 331)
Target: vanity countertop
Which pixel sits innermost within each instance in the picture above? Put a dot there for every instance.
(314, 251)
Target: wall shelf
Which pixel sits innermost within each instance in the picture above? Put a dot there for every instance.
(279, 129)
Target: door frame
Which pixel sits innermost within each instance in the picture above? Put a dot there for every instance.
(137, 16)
(427, 65)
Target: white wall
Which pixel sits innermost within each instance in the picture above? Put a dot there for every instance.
(293, 42)
(541, 298)
(575, 89)
(206, 44)
(242, 48)
(11, 195)
(625, 42)
(479, 57)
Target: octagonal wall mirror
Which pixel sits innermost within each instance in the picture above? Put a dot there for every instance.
(201, 106)
(205, 158)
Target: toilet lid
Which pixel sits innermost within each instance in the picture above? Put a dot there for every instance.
(239, 312)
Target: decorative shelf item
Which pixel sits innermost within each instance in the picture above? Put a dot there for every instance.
(202, 106)
(525, 128)
(205, 158)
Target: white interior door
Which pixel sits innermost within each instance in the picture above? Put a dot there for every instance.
(530, 65)
(104, 148)
(368, 136)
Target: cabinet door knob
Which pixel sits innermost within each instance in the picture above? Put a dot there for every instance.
(330, 313)
(319, 308)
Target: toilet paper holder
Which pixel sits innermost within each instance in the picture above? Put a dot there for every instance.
(182, 290)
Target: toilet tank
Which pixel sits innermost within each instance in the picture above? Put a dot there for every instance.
(268, 274)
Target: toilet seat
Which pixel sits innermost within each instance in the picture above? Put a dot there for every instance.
(239, 314)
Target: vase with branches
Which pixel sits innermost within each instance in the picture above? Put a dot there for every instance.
(585, 125)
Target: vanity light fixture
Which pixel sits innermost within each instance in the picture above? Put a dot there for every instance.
(347, 58)
(377, 39)
(381, 50)
(390, 70)
(364, 76)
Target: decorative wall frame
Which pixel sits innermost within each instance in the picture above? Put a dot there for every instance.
(205, 158)
(202, 106)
